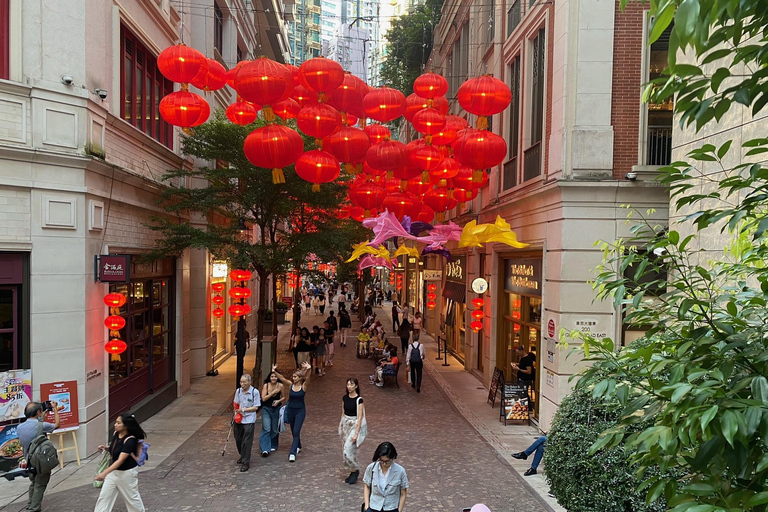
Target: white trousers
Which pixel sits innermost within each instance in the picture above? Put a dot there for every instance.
(126, 483)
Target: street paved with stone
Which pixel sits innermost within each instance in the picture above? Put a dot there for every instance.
(449, 465)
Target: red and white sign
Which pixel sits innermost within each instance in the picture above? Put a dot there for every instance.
(65, 394)
(114, 269)
(551, 328)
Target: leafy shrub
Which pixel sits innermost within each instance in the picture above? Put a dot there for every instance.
(281, 306)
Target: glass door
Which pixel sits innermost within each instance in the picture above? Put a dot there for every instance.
(522, 328)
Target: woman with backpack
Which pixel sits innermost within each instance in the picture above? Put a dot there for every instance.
(352, 428)
(414, 361)
(121, 477)
(345, 323)
(405, 334)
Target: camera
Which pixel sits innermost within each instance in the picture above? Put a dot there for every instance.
(47, 406)
(631, 176)
(102, 93)
(67, 79)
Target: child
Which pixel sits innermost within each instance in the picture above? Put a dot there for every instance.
(362, 343)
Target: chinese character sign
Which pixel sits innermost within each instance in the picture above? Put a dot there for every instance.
(15, 394)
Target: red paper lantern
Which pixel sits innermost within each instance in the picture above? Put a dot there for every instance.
(392, 186)
(419, 186)
(424, 156)
(304, 96)
(367, 195)
(273, 147)
(264, 81)
(180, 63)
(371, 173)
(478, 302)
(359, 214)
(211, 78)
(184, 108)
(438, 199)
(217, 287)
(384, 104)
(240, 275)
(415, 103)
(233, 71)
(286, 109)
(449, 132)
(348, 97)
(426, 214)
(318, 120)
(294, 73)
(484, 95)
(115, 346)
(430, 85)
(399, 286)
(428, 121)
(478, 314)
(479, 149)
(463, 195)
(321, 74)
(387, 155)
(470, 179)
(242, 112)
(402, 204)
(114, 300)
(218, 312)
(114, 322)
(476, 326)
(447, 169)
(348, 144)
(317, 166)
(431, 296)
(217, 299)
(344, 211)
(431, 305)
(239, 309)
(431, 287)
(407, 172)
(377, 133)
(239, 292)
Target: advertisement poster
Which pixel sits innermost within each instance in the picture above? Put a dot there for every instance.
(65, 395)
(15, 394)
(516, 402)
(10, 448)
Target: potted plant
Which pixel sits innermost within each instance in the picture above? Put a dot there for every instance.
(281, 308)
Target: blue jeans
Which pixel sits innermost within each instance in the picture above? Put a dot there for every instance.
(295, 419)
(538, 447)
(270, 429)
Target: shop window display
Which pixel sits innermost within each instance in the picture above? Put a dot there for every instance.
(522, 328)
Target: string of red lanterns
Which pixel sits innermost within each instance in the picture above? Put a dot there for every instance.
(431, 296)
(114, 322)
(239, 292)
(478, 314)
(217, 299)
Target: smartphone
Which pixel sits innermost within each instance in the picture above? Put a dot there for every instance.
(47, 407)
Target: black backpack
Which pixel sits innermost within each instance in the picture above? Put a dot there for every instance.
(42, 454)
(415, 352)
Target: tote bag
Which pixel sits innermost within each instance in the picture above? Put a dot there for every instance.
(106, 460)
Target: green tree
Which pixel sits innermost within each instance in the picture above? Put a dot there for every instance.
(252, 223)
(409, 44)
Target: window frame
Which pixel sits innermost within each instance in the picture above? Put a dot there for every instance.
(143, 63)
(218, 28)
(536, 64)
(511, 166)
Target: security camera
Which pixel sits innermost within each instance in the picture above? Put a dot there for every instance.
(102, 93)
(67, 80)
(631, 176)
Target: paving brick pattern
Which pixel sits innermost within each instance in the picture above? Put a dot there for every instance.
(449, 465)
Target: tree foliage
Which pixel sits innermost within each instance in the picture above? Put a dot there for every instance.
(409, 44)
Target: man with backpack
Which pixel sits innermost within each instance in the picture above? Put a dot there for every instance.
(28, 432)
(415, 361)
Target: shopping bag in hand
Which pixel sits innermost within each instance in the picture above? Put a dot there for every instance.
(106, 460)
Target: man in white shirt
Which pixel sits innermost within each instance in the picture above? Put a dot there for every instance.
(248, 399)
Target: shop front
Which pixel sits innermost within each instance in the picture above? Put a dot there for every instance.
(146, 367)
(454, 305)
(521, 305)
(14, 352)
(220, 300)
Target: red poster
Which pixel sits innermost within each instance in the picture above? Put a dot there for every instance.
(65, 394)
(288, 301)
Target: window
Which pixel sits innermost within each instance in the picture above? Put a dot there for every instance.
(658, 150)
(491, 17)
(218, 29)
(513, 17)
(5, 28)
(532, 157)
(142, 87)
(10, 350)
(510, 168)
(239, 54)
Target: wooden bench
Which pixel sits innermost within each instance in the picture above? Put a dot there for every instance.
(385, 377)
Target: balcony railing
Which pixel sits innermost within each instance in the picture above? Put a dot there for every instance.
(659, 145)
(532, 162)
(510, 173)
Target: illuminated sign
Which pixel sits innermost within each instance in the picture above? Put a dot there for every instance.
(523, 276)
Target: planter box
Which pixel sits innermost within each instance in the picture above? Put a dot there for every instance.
(280, 316)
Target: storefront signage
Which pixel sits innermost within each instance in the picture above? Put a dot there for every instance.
(480, 285)
(113, 268)
(65, 395)
(15, 394)
(589, 327)
(432, 275)
(523, 276)
(219, 270)
(454, 270)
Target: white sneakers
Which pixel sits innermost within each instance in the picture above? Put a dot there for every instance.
(292, 458)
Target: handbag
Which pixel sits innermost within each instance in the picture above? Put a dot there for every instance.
(281, 420)
(106, 460)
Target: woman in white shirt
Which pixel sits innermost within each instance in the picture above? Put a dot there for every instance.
(386, 483)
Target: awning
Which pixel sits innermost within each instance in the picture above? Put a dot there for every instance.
(457, 292)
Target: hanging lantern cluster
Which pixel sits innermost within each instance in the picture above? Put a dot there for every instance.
(239, 292)
(185, 65)
(478, 314)
(114, 322)
(391, 279)
(217, 300)
(431, 296)
(399, 279)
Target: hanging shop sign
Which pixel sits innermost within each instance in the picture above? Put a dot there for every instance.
(113, 268)
(480, 286)
(15, 394)
(432, 275)
(454, 270)
(219, 270)
(65, 395)
(523, 276)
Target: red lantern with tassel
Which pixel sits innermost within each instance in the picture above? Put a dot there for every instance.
(212, 78)
(359, 214)
(218, 312)
(233, 71)
(426, 214)
(476, 326)
(387, 155)
(415, 103)
(239, 309)
(449, 132)
(318, 120)
(317, 166)
(431, 305)
(114, 322)
(217, 287)
(115, 346)
(424, 156)
(377, 133)
(349, 96)
(304, 96)
(384, 104)
(402, 204)
(264, 81)
(407, 172)
(447, 169)
(428, 121)
(430, 85)
(484, 96)
(463, 195)
(273, 147)
(114, 300)
(184, 108)
(367, 195)
(348, 144)
(242, 112)
(240, 275)
(439, 199)
(321, 74)
(218, 299)
(286, 109)
(239, 292)
(181, 63)
(479, 149)
(418, 185)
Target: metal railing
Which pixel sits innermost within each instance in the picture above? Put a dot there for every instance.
(510, 173)
(532, 162)
(659, 145)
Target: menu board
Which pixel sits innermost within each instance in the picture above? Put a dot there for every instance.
(493, 389)
(15, 394)
(515, 403)
(65, 395)
(11, 452)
